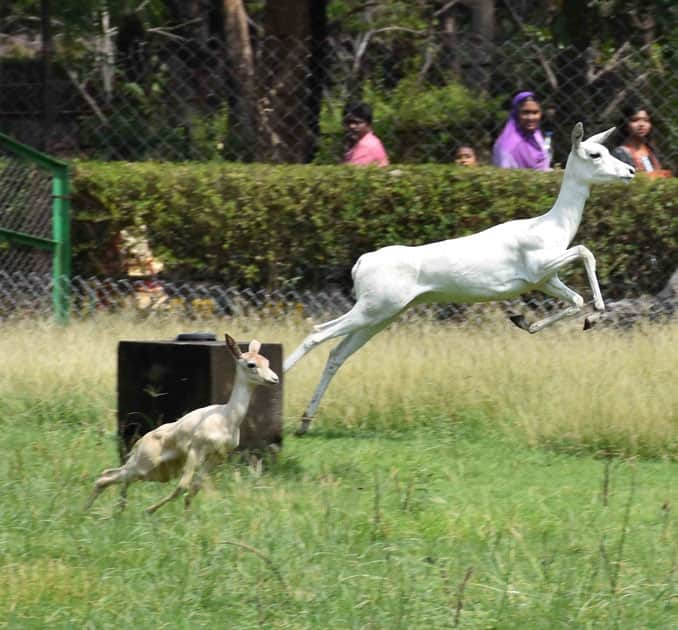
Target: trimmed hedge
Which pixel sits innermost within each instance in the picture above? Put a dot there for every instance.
(273, 226)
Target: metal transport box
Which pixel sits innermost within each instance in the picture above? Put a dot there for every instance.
(160, 381)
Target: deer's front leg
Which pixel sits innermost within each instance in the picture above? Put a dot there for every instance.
(196, 484)
(190, 468)
(590, 266)
(576, 253)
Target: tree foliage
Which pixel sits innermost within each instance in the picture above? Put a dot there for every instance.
(610, 22)
(411, 58)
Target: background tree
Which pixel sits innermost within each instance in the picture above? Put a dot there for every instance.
(290, 76)
(240, 79)
(251, 76)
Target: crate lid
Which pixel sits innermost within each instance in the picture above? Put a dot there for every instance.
(196, 336)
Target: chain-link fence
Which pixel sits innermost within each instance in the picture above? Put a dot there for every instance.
(35, 217)
(25, 208)
(175, 99)
(27, 296)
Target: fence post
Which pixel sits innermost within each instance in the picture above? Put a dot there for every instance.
(59, 242)
(61, 230)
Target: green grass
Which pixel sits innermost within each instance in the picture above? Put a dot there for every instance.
(452, 478)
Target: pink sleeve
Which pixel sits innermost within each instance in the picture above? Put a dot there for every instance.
(379, 153)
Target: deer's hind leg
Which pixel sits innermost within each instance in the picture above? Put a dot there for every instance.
(342, 325)
(348, 345)
(108, 478)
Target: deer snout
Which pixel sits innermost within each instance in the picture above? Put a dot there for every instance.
(272, 379)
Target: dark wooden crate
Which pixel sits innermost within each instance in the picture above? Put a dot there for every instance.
(160, 381)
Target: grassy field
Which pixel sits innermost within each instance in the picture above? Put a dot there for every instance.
(453, 478)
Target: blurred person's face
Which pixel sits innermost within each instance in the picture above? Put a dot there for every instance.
(639, 124)
(529, 115)
(356, 128)
(466, 156)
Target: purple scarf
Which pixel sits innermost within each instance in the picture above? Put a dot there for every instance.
(516, 148)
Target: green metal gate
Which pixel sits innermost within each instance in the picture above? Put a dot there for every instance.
(35, 223)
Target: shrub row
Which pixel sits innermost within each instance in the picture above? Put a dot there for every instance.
(272, 226)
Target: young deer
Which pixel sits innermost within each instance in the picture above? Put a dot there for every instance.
(496, 264)
(194, 444)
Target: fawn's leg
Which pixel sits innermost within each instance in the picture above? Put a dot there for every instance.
(190, 468)
(107, 478)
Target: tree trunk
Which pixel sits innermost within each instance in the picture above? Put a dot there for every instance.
(469, 56)
(48, 114)
(290, 74)
(240, 80)
(572, 65)
(483, 18)
(192, 18)
(187, 59)
(482, 25)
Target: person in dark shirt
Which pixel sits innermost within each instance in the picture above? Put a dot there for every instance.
(636, 148)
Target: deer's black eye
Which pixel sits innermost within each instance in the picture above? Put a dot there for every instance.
(594, 156)
(251, 364)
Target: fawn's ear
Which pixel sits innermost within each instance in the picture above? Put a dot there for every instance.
(255, 346)
(233, 346)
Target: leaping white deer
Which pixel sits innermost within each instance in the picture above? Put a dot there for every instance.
(498, 263)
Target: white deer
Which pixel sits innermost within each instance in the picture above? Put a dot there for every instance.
(499, 263)
(194, 444)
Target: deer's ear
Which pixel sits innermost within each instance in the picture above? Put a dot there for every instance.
(255, 346)
(602, 136)
(233, 346)
(577, 136)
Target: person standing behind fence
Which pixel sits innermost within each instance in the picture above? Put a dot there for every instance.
(636, 148)
(364, 148)
(521, 143)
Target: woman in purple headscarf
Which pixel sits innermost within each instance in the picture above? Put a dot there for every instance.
(521, 143)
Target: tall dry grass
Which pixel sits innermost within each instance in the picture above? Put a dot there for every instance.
(600, 390)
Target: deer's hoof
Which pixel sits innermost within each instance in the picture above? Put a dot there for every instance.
(591, 320)
(520, 321)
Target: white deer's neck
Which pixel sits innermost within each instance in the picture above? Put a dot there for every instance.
(241, 396)
(569, 206)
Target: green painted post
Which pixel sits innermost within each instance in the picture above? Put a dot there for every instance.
(60, 244)
(61, 231)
